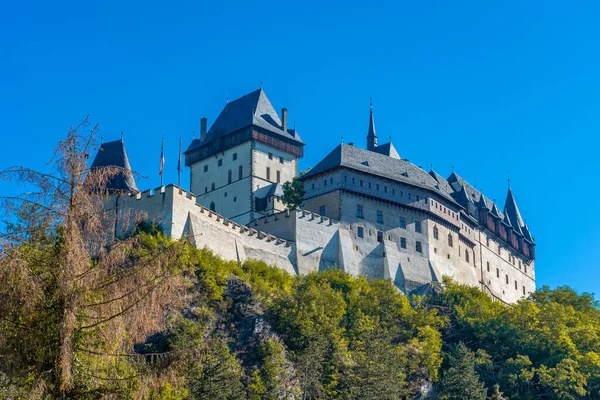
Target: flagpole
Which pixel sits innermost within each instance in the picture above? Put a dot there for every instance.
(179, 163)
(162, 160)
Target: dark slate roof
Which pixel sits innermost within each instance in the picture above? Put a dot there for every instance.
(377, 164)
(113, 154)
(251, 109)
(455, 181)
(527, 233)
(387, 149)
(510, 208)
(443, 183)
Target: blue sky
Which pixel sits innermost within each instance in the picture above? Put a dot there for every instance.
(492, 88)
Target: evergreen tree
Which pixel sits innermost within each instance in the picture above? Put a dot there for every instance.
(460, 380)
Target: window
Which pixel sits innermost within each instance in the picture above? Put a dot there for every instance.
(240, 172)
(488, 266)
(353, 181)
(369, 185)
(516, 287)
(507, 279)
(359, 211)
(526, 269)
(270, 156)
(220, 162)
(467, 255)
(225, 194)
(450, 241)
(520, 265)
(497, 273)
(394, 192)
(268, 173)
(324, 182)
(205, 168)
(205, 189)
(234, 199)
(499, 250)
(488, 242)
(403, 243)
(280, 160)
(234, 157)
(331, 181)
(418, 226)
(435, 232)
(345, 178)
(361, 183)
(377, 186)
(229, 173)
(419, 247)
(385, 189)
(323, 210)
(212, 186)
(417, 197)
(380, 217)
(278, 176)
(212, 206)
(523, 290)
(380, 236)
(409, 195)
(402, 223)
(313, 186)
(360, 232)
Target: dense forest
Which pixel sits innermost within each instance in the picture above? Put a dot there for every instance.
(87, 316)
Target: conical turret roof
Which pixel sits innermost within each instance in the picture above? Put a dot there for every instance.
(113, 154)
(510, 208)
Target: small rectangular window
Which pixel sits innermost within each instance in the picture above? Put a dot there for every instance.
(523, 290)
(280, 160)
(205, 168)
(497, 273)
(402, 223)
(220, 162)
(385, 189)
(278, 176)
(240, 172)
(345, 178)
(360, 232)
(380, 236)
(234, 157)
(361, 183)
(229, 176)
(403, 243)
(359, 211)
(268, 173)
(377, 186)
(331, 181)
(324, 182)
(488, 266)
(323, 210)
(507, 279)
(270, 156)
(516, 287)
(394, 192)
(380, 217)
(313, 186)
(419, 247)
(418, 226)
(526, 269)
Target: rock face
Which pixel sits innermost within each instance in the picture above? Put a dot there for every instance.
(248, 329)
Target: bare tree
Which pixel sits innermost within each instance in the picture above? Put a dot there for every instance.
(60, 259)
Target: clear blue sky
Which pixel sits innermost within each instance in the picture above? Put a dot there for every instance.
(492, 87)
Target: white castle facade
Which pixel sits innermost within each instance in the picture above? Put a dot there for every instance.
(366, 211)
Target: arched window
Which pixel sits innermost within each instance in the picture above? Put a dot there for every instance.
(450, 239)
(435, 232)
(212, 206)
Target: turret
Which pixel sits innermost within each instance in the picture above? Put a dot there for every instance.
(113, 154)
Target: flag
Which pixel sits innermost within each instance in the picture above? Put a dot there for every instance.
(162, 158)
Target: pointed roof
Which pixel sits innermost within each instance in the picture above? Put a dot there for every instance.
(113, 154)
(387, 149)
(372, 132)
(252, 109)
(527, 234)
(443, 183)
(510, 208)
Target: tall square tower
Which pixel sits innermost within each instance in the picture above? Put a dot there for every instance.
(238, 167)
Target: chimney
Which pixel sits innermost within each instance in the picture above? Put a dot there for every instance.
(284, 119)
(203, 121)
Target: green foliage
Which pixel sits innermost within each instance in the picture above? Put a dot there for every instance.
(293, 193)
(460, 380)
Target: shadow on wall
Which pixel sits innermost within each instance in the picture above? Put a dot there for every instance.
(399, 279)
(329, 254)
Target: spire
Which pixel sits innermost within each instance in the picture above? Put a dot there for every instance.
(372, 136)
(113, 154)
(510, 208)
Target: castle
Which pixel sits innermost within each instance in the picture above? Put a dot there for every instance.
(366, 211)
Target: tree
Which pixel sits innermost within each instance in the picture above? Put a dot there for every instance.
(460, 380)
(293, 193)
(73, 298)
